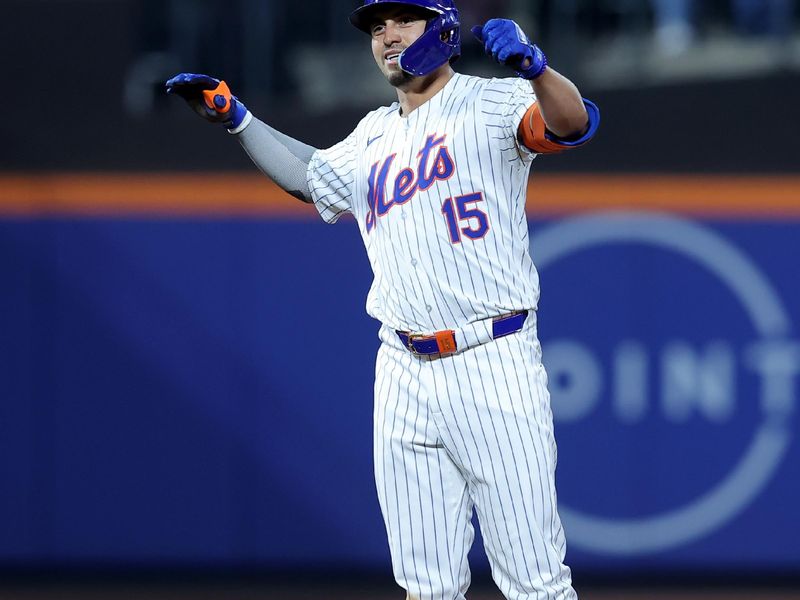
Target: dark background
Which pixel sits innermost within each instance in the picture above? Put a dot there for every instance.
(86, 82)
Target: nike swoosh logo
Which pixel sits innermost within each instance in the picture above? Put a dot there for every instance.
(369, 142)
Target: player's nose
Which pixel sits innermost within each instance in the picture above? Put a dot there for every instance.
(391, 34)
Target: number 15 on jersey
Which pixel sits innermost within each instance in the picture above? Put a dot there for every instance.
(465, 218)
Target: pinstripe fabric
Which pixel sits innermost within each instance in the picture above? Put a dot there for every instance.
(472, 431)
(422, 281)
(423, 493)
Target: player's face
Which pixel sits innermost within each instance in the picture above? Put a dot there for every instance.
(392, 32)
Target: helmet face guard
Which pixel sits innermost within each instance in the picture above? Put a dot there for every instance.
(440, 44)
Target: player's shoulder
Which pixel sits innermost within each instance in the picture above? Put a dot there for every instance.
(377, 118)
(466, 85)
(489, 91)
(506, 86)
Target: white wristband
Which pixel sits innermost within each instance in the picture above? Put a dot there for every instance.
(245, 122)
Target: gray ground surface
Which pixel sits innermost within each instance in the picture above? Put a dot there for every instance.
(339, 592)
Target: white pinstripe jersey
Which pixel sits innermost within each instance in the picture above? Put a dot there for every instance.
(439, 197)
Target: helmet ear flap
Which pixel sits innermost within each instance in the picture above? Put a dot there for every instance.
(434, 48)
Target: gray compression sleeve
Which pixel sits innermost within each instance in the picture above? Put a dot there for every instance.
(280, 157)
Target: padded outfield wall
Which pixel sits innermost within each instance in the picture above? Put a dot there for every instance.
(186, 374)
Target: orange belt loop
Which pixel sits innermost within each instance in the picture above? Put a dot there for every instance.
(446, 340)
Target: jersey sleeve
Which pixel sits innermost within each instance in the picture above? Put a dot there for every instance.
(511, 110)
(331, 178)
(504, 104)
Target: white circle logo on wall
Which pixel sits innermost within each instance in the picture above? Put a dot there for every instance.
(774, 356)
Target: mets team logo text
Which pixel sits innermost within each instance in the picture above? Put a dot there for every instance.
(408, 181)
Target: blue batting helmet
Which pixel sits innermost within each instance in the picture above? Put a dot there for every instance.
(441, 42)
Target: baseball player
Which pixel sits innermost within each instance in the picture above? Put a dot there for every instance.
(437, 184)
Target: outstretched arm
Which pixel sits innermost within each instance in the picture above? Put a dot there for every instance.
(280, 157)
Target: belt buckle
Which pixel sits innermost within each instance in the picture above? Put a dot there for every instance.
(410, 344)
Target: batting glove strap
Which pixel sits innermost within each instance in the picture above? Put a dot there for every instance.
(243, 122)
(228, 107)
(538, 64)
(240, 117)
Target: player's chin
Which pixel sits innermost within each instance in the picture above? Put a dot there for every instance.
(398, 77)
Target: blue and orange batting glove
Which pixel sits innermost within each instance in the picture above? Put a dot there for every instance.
(211, 99)
(505, 42)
